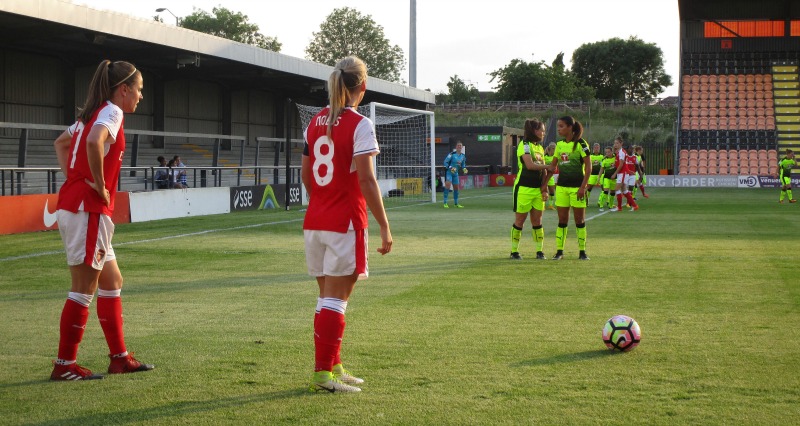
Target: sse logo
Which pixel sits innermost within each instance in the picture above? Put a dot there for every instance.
(500, 180)
(243, 199)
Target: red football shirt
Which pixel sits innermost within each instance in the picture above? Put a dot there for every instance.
(630, 165)
(336, 202)
(75, 195)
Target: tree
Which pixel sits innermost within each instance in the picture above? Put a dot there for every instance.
(231, 25)
(459, 91)
(347, 32)
(530, 81)
(622, 69)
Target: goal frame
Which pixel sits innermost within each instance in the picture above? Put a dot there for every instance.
(432, 136)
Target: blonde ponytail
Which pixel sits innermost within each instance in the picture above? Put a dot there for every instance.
(343, 84)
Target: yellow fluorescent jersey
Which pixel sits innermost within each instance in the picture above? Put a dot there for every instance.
(525, 177)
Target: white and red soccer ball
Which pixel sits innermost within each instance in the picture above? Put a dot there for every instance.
(621, 333)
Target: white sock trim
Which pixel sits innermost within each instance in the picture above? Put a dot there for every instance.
(333, 304)
(109, 293)
(83, 299)
(319, 304)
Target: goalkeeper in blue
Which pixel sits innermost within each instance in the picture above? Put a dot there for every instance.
(454, 164)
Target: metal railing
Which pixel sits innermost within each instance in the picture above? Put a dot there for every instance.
(48, 180)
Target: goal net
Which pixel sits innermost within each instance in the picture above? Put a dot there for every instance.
(405, 167)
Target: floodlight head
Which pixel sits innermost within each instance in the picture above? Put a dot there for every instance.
(161, 9)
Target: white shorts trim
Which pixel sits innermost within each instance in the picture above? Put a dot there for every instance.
(336, 254)
(629, 180)
(85, 242)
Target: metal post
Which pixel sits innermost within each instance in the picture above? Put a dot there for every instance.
(135, 154)
(241, 164)
(257, 170)
(287, 122)
(23, 148)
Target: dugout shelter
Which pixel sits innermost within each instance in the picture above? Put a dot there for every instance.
(740, 85)
(194, 82)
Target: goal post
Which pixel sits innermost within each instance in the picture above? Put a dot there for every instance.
(406, 165)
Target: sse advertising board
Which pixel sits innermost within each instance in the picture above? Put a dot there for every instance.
(37, 212)
(264, 196)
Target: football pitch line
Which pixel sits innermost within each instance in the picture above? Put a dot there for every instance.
(234, 228)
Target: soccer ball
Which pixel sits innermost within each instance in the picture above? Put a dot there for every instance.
(621, 333)
(464, 171)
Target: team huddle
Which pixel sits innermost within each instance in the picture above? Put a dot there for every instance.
(562, 176)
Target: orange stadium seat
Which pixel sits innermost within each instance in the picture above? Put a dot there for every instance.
(713, 104)
(763, 170)
(772, 164)
(704, 111)
(751, 103)
(686, 79)
(741, 112)
(692, 170)
(733, 155)
(703, 79)
(702, 170)
(753, 162)
(685, 125)
(743, 155)
(732, 123)
(752, 153)
(684, 154)
(713, 154)
(760, 103)
(713, 78)
(753, 170)
(768, 87)
(751, 112)
(693, 161)
(762, 155)
(703, 103)
(723, 164)
(769, 112)
(758, 78)
(695, 78)
(694, 123)
(750, 94)
(722, 78)
(722, 154)
(740, 87)
(752, 124)
(695, 104)
(722, 95)
(695, 96)
(683, 169)
(750, 78)
(702, 154)
(741, 96)
(759, 87)
(703, 123)
(761, 122)
(768, 103)
(750, 87)
(733, 170)
(741, 78)
(713, 123)
(704, 95)
(772, 154)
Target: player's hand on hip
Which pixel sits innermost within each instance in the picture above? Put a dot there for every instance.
(101, 191)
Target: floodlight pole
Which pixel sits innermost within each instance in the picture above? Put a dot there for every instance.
(412, 46)
(164, 9)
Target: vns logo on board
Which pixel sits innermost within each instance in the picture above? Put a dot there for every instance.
(749, 182)
(243, 199)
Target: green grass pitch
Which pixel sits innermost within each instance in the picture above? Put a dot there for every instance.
(447, 330)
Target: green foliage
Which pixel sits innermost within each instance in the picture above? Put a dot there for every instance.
(446, 331)
(621, 69)
(231, 25)
(459, 91)
(528, 81)
(347, 32)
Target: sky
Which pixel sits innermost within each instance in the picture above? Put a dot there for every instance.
(467, 38)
